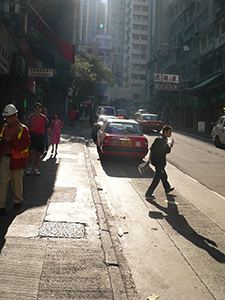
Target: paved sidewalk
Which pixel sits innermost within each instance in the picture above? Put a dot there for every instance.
(58, 246)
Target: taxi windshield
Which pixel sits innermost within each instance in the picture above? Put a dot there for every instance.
(123, 128)
(152, 118)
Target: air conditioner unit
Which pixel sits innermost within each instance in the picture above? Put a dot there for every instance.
(6, 7)
(11, 8)
(16, 8)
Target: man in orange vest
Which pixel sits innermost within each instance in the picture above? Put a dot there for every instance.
(14, 151)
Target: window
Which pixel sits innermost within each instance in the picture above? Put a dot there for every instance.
(135, 56)
(135, 36)
(136, 7)
(144, 28)
(203, 42)
(210, 37)
(144, 8)
(204, 22)
(198, 26)
(137, 18)
(143, 47)
(144, 37)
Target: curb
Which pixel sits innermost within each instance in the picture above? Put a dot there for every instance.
(122, 282)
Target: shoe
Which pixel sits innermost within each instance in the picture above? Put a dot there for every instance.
(29, 170)
(17, 205)
(2, 211)
(170, 190)
(36, 172)
(151, 197)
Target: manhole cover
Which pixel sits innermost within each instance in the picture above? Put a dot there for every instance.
(62, 230)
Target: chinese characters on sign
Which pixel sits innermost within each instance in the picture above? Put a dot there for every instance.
(37, 72)
(166, 81)
(167, 87)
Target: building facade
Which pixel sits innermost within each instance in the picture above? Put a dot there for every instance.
(135, 48)
(194, 51)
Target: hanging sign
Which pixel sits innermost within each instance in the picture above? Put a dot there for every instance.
(38, 72)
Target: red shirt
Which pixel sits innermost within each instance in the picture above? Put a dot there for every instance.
(37, 124)
(72, 114)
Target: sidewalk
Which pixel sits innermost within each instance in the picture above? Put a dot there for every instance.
(58, 246)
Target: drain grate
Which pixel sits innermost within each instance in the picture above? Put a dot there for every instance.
(62, 230)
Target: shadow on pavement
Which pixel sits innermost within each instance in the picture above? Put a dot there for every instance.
(36, 192)
(180, 224)
(129, 166)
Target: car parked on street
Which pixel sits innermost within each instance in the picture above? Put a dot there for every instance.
(149, 122)
(122, 114)
(218, 132)
(97, 125)
(121, 138)
(102, 110)
(140, 112)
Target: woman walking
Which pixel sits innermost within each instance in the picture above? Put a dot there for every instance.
(56, 125)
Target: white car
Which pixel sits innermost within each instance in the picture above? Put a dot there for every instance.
(98, 124)
(218, 132)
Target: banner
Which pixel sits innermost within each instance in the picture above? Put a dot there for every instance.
(64, 48)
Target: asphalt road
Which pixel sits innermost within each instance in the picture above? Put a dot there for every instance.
(197, 157)
(174, 251)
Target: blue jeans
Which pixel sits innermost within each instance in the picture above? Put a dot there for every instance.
(160, 174)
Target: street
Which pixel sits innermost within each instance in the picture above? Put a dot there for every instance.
(175, 244)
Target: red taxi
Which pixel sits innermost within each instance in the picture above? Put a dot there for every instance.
(122, 138)
(149, 122)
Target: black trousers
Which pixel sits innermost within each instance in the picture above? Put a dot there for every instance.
(160, 174)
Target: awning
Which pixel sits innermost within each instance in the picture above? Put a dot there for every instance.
(64, 48)
(206, 82)
(43, 56)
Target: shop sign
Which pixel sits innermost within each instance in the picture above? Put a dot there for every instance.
(195, 101)
(219, 99)
(157, 77)
(166, 87)
(38, 72)
(168, 78)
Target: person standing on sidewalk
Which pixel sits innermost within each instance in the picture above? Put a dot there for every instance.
(56, 125)
(14, 150)
(46, 144)
(72, 117)
(158, 151)
(38, 122)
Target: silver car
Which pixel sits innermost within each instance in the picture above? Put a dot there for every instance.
(218, 132)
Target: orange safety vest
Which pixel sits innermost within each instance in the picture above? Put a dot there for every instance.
(17, 154)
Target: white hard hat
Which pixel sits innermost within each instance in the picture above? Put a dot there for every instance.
(9, 110)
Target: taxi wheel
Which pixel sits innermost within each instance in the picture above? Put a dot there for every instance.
(217, 142)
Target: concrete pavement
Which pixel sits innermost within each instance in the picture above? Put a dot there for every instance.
(58, 245)
(63, 244)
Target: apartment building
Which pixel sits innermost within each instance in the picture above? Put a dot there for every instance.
(195, 52)
(135, 48)
(116, 28)
(88, 23)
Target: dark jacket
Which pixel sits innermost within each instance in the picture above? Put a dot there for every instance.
(159, 149)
